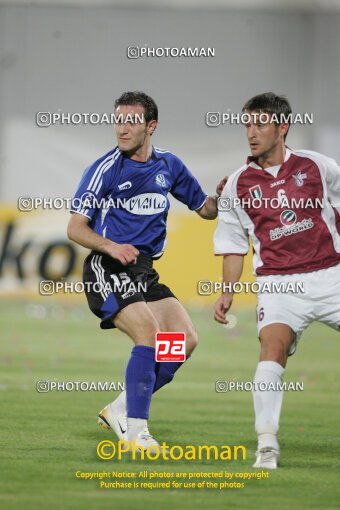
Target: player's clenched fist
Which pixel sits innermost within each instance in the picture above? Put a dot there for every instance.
(221, 307)
(221, 185)
(125, 253)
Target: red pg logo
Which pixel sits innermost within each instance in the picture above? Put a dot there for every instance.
(170, 346)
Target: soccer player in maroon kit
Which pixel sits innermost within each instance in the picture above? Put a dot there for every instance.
(289, 204)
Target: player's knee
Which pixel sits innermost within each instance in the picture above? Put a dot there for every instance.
(275, 349)
(191, 340)
(148, 332)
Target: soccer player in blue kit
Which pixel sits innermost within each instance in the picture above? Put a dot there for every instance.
(125, 240)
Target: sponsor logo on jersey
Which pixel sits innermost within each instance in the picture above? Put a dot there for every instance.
(256, 192)
(124, 185)
(160, 179)
(299, 178)
(288, 218)
(277, 183)
(295, 228)
(146, 204)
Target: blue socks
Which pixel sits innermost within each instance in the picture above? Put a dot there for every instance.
(140, 379)
(165, 373)
(143, 377)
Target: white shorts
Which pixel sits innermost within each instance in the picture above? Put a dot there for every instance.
(320, 301)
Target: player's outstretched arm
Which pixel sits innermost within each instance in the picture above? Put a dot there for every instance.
(209, 209)
(79, 232)
(232, 271)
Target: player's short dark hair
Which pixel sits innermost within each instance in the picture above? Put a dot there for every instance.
(269, 103)
(138, 97)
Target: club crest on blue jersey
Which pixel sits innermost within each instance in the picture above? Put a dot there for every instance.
(256, 192)
(288, 218)
(87, 200)
(160, 179)
(299, 178)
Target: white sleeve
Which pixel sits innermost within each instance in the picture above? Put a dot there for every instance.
(330, 173)
(230, 237)
(333, 182)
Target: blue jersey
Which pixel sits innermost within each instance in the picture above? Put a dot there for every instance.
(126, 200)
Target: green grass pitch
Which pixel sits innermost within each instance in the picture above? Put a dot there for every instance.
(46, 438)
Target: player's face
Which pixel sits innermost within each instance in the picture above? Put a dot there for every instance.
(132, 134)
(263, 137)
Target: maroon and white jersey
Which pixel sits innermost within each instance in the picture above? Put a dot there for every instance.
(291, 212)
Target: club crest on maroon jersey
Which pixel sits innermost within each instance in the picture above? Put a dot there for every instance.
(299, 178)
(256, 192)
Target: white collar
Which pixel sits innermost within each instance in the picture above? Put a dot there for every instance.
(272, 170)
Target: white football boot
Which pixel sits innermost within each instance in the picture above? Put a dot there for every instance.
(113, 416)
(139, 433)
(267, 458)
(145, 440)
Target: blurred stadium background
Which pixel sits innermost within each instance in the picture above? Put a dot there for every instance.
(71, 56)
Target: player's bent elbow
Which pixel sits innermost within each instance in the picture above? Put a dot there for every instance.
(72, 229)
(75, 225)
(69, 230)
